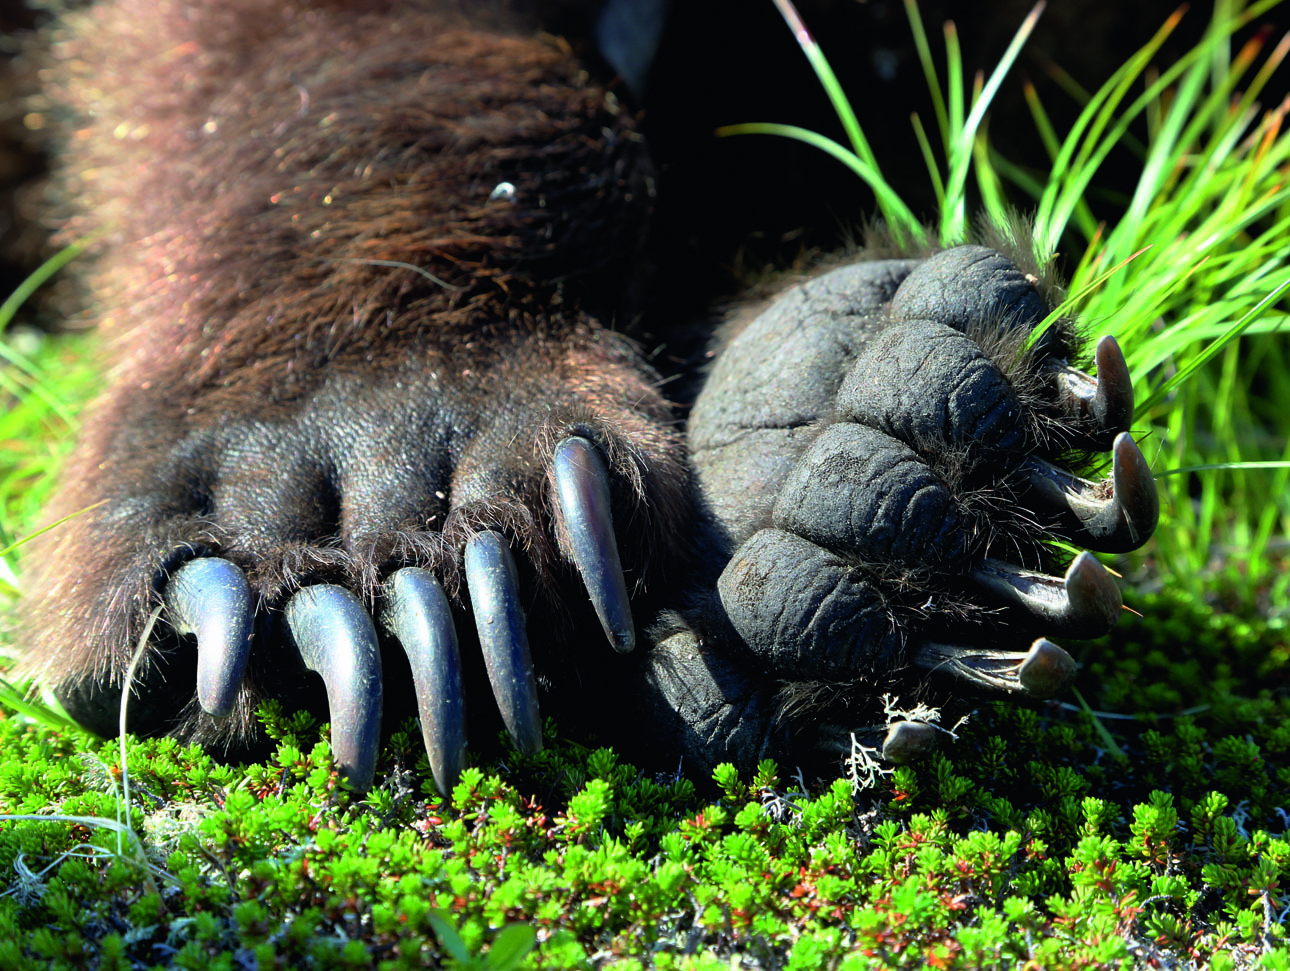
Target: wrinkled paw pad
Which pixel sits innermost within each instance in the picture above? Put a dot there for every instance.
(331, 632)
(914, 531)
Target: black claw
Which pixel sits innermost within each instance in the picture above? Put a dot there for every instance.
(416, 612)
(581, 480)
(1042, 672)
(1046, 671)
(903, 742)
(1086, 603)
(1113, 403)
(1108, 400)
(495, 598)
(1117, 523)
(908, 742)
(209, 598)
(336, 639)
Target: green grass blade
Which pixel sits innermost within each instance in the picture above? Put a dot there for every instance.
(1215, 347)
(899, 216)
(22, 293)
(824, 71)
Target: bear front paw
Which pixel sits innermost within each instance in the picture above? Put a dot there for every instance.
(886, 453)
(332, 552)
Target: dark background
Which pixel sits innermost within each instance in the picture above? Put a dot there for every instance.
(730, 61)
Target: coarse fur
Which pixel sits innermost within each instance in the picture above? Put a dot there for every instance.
(321, 218)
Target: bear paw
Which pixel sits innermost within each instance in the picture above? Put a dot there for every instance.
(885, 454)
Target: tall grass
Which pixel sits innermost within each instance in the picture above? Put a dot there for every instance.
(43, 382)
(1201, 312)
(1190, 276)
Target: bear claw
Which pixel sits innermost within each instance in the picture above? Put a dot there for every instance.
(1107, 399)
(581, 480)
(1042, 672)
(1085, 603)
(417, 613)
(336, 639)
(908, 741)
(209, 598)
(495, 597)
(1117, 523)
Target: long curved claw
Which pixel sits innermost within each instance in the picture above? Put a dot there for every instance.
(1085, 603)
(209, 597)
(1117, 523)
(1042, 672)
(495, 598)
(581, 480)
(416, 612)
(1108, 400)
(336, 639)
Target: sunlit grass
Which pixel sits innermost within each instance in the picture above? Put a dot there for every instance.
(44, 380)
(1190, 274)
(1201, 312)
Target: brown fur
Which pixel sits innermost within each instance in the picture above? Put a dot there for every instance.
(295, 203)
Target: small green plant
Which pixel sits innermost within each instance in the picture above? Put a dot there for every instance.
(508, 948)
(284, 866)
(1021, 842)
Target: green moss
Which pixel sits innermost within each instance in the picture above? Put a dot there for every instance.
(1024, 842)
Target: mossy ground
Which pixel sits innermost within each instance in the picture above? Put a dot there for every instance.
(1052, 837)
